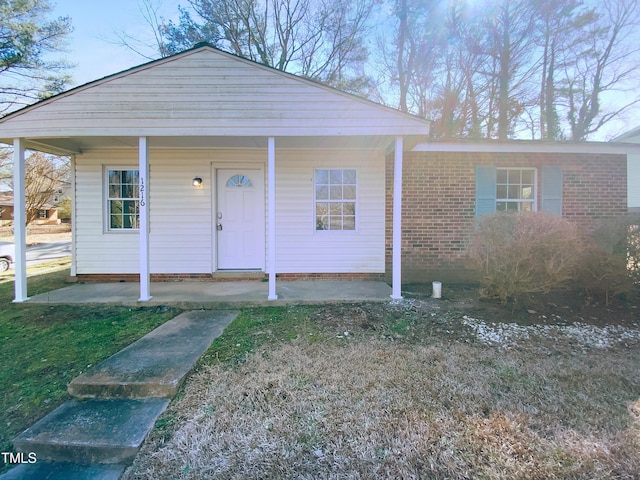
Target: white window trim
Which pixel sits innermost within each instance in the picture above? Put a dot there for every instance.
(105, 198)
(314, 217)
(521, 200)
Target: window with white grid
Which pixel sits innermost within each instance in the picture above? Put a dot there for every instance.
(335, 199)
(515, 189)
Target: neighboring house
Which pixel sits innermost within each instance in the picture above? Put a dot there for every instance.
(6, 208)
(633, 169)
(47, 215)
(204, 162)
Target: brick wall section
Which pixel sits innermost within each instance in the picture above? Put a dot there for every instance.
(203, 277)
(438, 212)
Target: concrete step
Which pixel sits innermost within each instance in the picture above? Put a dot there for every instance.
(92, 431)
(155, 365)
(63, 471)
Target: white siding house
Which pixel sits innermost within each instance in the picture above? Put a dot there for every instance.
(633, 169)
(290, 174)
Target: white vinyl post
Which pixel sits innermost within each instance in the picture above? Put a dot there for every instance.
(271, 185)
(19, 221)
(145, 276)
(396, 255)
(74, 264)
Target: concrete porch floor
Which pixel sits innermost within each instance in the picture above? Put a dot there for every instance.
(217, 294)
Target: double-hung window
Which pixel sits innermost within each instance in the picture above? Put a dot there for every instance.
(500, 189)
(515, 189)
(335, 199)
(123, 202)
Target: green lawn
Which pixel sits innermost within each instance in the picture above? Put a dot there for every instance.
(45, 347)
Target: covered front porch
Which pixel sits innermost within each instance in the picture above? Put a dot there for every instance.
(269, 154)
(204, 295)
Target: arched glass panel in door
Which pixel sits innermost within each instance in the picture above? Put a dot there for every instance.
(239, 181)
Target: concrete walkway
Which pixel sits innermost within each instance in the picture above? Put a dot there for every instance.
(221, 294)
(97, 438)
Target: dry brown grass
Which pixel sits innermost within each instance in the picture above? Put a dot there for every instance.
(364, 407)
(39, 233)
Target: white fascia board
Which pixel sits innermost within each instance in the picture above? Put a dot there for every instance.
(532, 147)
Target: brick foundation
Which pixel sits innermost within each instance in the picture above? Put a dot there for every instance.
(226, 277)
(438, 211)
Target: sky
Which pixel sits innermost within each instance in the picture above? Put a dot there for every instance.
(96, 25)
(92, 51)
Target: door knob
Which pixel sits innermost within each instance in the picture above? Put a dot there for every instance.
(219, 227)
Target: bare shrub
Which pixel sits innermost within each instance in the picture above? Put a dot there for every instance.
(603, 275)
(610, 264)
(524, 253)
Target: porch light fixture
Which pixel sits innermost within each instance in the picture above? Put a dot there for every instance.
(197, 182)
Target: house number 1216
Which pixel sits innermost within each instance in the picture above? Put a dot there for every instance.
(142, 204)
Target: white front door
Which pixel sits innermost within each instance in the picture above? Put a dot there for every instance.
(240, 219)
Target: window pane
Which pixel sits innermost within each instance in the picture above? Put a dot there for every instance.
(131, 206)
(322, 193)
(501, 191)
(335, 208)
(349, 177)
(322, 209)
(322, 223)
(512, 206)
(130, 176)
(349, 208)
(349, 192)
(116, 221)
(128, 221)
(514, 176)
(239, 181)
(322, 177)
(501, 206)
(335, 192)
(335, 223)
(129, 191)
(115, 207)
(114, 191)
(527, 192)
(114, 176)
(335, 177)
(527, 206)
(514, 192)
(501, 176)
(349, 223)
(527, 176)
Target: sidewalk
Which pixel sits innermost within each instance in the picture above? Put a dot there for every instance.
(98, 433)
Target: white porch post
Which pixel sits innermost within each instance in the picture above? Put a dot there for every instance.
(396, 255)
(271, 185)
(145, 276)
(19, 221)
(74, 263)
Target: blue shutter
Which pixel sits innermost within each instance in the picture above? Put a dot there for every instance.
(552, 189)
(485, 190)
